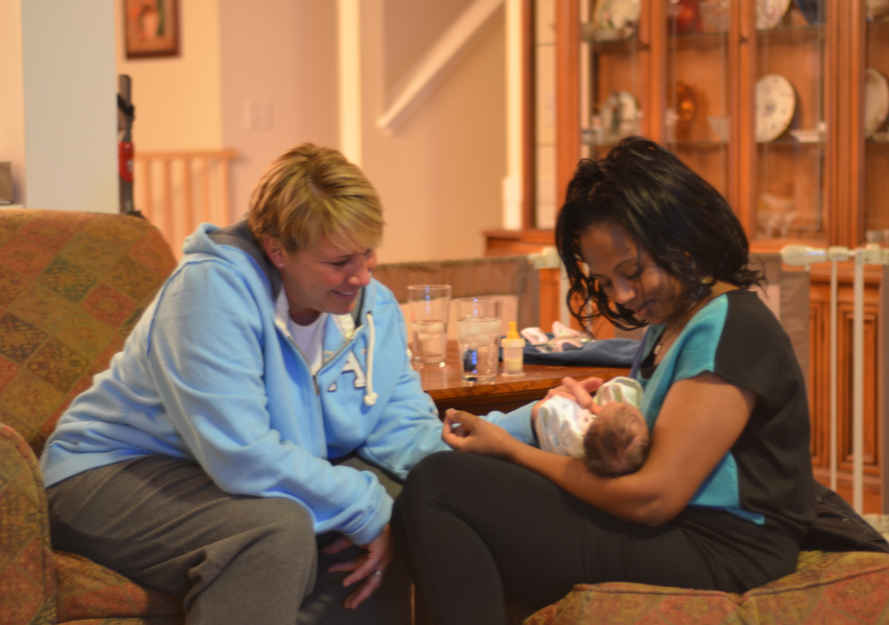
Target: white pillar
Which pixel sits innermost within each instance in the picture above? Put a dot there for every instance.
(512, 182)
(12, 111)
(349, 34)
(68, 92)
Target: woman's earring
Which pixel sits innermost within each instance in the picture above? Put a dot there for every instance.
(281, 265)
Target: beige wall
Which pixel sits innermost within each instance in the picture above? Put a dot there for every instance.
(410, 27)
(439, 174)
(177, 99)
(279, 54)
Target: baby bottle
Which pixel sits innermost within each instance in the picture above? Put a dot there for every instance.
(512, 346)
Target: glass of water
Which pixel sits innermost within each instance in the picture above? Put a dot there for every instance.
(478, 334)
(429, 306)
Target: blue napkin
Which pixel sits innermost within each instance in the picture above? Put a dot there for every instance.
(602, 353)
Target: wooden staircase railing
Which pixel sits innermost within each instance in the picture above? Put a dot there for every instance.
(177, 191)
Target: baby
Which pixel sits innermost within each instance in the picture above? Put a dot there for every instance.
(613, 443)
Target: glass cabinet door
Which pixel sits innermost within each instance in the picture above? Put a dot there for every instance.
(612, 100)
(789, 120)
(697, 117)
(876, 105)
(546, 196)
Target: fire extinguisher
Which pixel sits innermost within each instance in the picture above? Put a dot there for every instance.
(125, 160)
(126, 113)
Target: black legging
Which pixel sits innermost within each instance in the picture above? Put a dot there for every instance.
(477, 526)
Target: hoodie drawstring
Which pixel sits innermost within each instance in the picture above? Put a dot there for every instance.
(370, 398)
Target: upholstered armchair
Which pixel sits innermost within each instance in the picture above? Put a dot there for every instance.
(72, 286)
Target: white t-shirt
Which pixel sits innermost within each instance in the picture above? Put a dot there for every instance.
(306, 338)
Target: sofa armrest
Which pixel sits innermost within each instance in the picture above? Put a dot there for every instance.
(27, 577)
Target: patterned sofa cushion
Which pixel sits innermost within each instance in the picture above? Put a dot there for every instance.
(828, 588)
(72, 286)
(89, 591)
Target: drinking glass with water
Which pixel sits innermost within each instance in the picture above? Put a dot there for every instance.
(479, 327)
(429, 306)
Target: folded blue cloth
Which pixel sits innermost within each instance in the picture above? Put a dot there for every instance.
(603, 353)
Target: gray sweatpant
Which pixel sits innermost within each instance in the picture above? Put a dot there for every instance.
(235, 559)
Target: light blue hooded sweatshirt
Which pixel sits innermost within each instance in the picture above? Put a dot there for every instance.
(208, 376)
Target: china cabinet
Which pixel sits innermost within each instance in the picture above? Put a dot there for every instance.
(780, 104)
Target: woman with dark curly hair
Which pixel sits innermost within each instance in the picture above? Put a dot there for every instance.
(724, 495)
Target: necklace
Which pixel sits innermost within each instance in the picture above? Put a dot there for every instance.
(674, 330)
(660, 341)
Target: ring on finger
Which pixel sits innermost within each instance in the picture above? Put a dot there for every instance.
(378, 572)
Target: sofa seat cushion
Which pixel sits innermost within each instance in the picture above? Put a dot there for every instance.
(87, 590)
(836, 588)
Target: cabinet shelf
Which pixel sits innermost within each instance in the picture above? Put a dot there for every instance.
(879, 29)
(697, 145)
(672, 145)
(606, 45)
(790, 35)
(786, 144)
(697, 41)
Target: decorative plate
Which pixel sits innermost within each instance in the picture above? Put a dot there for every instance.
(620, 116)
(620, 15)
(775, 103)
(770, 12)
(876, 101)
(811, 10)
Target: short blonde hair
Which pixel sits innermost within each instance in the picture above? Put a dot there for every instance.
(310, 193)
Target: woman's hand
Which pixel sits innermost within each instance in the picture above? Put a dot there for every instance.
(581, 392)
(378, 557)
(467, 432)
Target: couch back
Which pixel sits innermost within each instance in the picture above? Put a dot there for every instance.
(72, 286)
(508, 277)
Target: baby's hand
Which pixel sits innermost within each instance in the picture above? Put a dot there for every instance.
(570, 388)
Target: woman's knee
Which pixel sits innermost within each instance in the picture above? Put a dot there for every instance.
(270, 533)
(282, 519)
(441, 467)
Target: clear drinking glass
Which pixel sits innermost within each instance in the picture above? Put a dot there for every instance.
(478, 334)
(429, 305)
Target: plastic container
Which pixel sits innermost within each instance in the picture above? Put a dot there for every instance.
(513, 346)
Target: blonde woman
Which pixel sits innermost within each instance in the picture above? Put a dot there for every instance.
(234, 451)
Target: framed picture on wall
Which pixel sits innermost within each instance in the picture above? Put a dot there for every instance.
(151, 28)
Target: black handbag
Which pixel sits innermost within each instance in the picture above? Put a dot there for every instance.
(839, 528)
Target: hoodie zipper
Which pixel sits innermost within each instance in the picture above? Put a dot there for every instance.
(332, 358)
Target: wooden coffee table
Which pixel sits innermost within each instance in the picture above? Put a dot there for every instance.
(446, 387)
